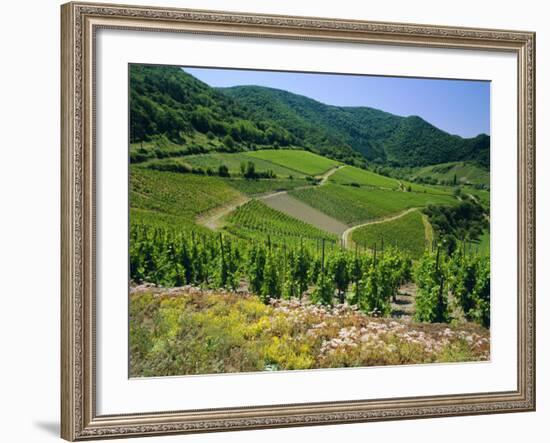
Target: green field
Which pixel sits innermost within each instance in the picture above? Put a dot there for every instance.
(406, 233)
(351, 174)
(256, 221)
(263, 186)
(353, 205)
(303, 162)
(178, 197)
(233, 162)
(445, 172)
(427, 189)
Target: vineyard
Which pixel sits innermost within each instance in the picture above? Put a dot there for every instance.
(256, 221)
(406, 231)
(353, 175)
(353, 205)
(234, 162)
(258, 187)
(451, 287)
(303, 162)
(243, 306)
(271, 232)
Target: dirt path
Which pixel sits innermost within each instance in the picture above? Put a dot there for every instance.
(213, 219)
(404, 303)
(324, 177)
(428, 230)
(281, 201)
(347, 233)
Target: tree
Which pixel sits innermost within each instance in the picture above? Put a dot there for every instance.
(228, 142)
(250, 171)
(223, 171)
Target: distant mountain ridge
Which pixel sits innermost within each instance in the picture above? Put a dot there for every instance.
(168, 101)
(377, 135)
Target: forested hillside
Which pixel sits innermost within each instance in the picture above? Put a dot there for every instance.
(175, 109)
(377, 135)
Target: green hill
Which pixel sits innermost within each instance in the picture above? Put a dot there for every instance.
(377, 135)
(174, 114)
(453, 173)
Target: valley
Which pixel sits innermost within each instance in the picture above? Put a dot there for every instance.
(261, 204)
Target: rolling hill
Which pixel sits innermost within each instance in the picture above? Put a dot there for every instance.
(169, 104)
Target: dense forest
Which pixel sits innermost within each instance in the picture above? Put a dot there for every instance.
(169, 105)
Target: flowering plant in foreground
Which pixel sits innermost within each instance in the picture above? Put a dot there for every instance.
(192, 331)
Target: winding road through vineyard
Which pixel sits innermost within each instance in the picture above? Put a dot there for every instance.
(282, 201)
(347, 233)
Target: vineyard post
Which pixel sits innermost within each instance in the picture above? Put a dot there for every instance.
(323, 259)
(374, 257)
(358, 272)
(205, 257)
(284, 264)
(222, 274)
(440, 306)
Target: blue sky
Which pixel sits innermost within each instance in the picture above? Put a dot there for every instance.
(459, 107)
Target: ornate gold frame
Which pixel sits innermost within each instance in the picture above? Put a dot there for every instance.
(79, 22)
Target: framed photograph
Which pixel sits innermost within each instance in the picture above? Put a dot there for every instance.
(277, 221)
